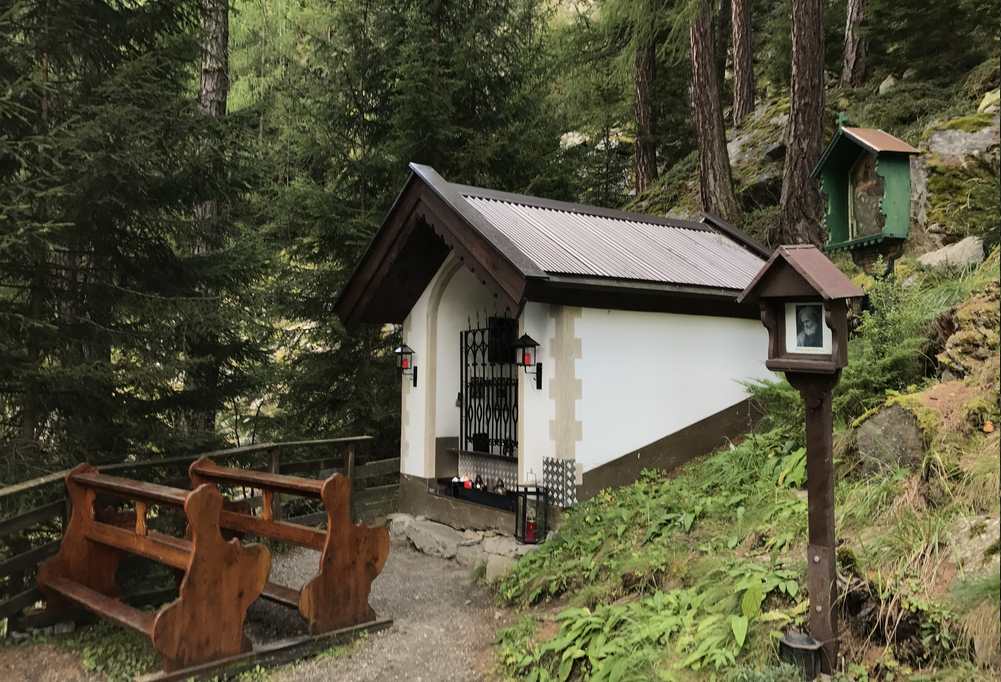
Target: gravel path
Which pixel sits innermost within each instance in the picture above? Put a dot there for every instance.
(443, 623)
(443, 627)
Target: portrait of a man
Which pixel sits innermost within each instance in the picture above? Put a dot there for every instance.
(809, 333)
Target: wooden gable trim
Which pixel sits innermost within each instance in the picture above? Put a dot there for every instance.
(395, 229)
(473, 250)
(418, 204)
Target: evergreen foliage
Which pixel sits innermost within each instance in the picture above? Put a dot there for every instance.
(104, 155)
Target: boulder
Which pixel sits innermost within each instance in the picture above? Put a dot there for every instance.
(398, 524)
(764, 190)
(505, 545)
(497, 567)
(434, 539)
(890, 438)
(776, 152)
(971, 539)
(471, 537)
(736, 149)
(888, 84)
(990, 102)
(470, 556)
(953, 144)
(964, 253)
(919, 191)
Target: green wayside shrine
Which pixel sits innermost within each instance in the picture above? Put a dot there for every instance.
(865, 176)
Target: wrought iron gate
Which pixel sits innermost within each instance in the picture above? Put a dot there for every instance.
(489, 397)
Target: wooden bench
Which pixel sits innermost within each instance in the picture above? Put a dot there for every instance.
(221, 579)
(352, 555)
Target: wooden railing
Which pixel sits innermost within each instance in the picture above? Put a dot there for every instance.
(33, 530)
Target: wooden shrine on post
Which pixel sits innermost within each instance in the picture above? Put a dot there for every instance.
(351, 555)
(221, 579)
(804, 299)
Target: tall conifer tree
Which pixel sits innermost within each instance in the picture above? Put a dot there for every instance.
(801, 203)
(715, 181)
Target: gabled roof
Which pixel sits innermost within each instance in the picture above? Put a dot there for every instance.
(813, 266)
(871, 139)
(529, 248)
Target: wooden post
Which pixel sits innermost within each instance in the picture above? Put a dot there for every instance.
(349, 471)
(276, 503)
(141, 510)
(821, 561)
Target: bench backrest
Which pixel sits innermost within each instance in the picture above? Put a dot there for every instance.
(221, 579)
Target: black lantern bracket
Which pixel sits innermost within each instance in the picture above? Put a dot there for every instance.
(405, 362)
(526, 352)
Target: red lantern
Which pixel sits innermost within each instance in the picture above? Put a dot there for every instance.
(405, 361)
(525, 349)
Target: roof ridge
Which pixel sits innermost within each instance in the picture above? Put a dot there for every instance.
(626, 217)
(574, 207)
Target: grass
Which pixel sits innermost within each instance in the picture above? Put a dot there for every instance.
(111, 651)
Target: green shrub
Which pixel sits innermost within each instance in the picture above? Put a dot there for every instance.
(888, 352)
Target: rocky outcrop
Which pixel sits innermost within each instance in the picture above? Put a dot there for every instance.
(964, 137)
(972, 347)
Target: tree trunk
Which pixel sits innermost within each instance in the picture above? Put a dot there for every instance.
(646, 124)
(853, 67)
(743, 62)
(212, 98)
(715, 183)
(215, 57)
(721, 38)
(801, 202)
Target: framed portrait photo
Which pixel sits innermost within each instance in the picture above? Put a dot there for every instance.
(806, 331)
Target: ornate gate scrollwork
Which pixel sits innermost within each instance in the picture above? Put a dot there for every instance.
(489, 397)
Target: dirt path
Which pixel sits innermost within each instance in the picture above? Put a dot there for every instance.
(41, 663)
(444, 624)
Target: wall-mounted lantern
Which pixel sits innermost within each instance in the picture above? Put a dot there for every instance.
(405, 362)
(804, 306)
(526, 355)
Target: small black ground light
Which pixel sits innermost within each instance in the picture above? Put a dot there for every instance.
(531, 519)
(802, 651)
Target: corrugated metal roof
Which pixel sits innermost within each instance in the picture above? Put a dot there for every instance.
(599, 244)
(880, 141)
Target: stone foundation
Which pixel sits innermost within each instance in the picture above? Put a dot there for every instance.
(492, 549)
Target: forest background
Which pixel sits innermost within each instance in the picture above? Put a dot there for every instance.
(186, 184)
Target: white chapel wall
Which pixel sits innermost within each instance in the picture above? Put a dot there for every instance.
(647, 375)
(463, 298)
(536, 408)
(413, 400)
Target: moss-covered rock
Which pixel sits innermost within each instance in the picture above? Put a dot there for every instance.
(971, 123)
(972, 350)
(963, 199)
(890, 439)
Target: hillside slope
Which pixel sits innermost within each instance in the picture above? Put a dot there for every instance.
(677, 577)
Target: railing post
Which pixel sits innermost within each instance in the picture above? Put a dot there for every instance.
(349, 466)
(276, 503)
(349, 471)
